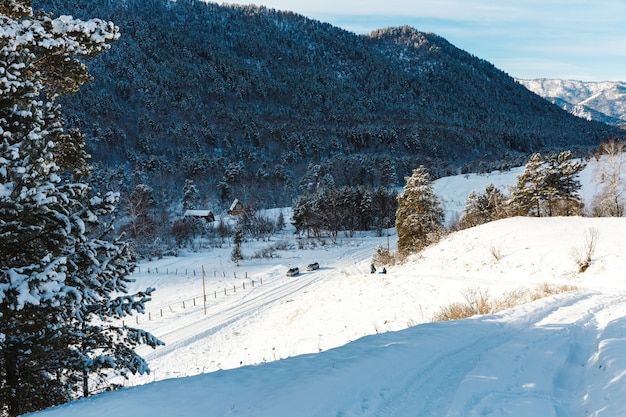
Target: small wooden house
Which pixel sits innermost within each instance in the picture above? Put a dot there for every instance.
(206, 215)
(236, 208)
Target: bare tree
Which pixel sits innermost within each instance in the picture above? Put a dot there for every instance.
(139, 205)
(609, 166)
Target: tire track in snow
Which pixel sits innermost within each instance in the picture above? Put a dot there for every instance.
(445, 377)
(437, 377)
(234, 308)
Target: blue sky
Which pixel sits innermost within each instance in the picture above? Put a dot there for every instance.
(568, 39)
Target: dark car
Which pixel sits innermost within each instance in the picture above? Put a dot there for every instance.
(313, 266)
(292, 272)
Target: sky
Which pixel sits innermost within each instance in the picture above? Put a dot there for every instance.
(566, 39)
(340, 341)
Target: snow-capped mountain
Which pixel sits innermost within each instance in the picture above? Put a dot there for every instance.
(600, 101)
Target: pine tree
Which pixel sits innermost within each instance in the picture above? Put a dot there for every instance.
(548, 187)
(419, 216)
(484, 207)
(529, 191)
(59, 267)
(387, 173)
(236, 254)
(566, 184)
(190, 195)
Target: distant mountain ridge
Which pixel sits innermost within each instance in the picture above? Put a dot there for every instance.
(253, 103)
(603, 101)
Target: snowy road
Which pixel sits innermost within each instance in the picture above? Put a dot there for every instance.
(558, 357)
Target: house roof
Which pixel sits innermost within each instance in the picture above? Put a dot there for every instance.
(198, 213)
(234, 205)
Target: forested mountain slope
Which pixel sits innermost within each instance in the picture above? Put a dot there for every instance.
(251, 102)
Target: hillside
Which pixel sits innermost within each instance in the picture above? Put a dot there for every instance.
(560, 355)
(246, 101)
(600, 101)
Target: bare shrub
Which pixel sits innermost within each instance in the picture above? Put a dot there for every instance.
(496, 252)
(583, 256)
(453, 311)
(477, 301)
(521, 296)
(270, 251)
(547, 290)
(386, 257)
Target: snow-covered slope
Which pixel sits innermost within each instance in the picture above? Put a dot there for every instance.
(559, 356)
(601, 101)
(342, 341)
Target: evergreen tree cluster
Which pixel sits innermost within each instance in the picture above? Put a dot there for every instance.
(63, 272)
(484, 207)
(331, 210)
(548, 186)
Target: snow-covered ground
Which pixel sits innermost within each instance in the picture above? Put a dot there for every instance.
(340, 341)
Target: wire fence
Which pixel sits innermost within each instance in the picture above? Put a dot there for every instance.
(197, 301)
(187, 272)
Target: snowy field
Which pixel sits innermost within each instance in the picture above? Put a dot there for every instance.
(340, 341)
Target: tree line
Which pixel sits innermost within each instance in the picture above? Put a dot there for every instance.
(549, 186)
(330, 211)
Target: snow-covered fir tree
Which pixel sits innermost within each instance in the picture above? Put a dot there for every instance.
(63, 278)
(548, 187)
(190, 195)
(528, 192)
(484, 207)
(563, 185)
(419, 216)
(236, 256)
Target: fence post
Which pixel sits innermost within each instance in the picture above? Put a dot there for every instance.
(244, 285)
(203, 290)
